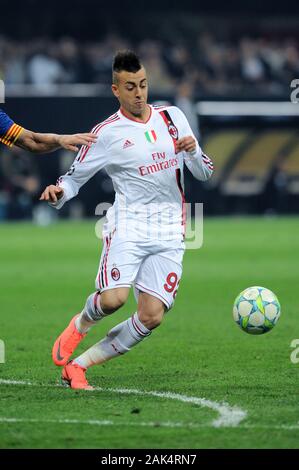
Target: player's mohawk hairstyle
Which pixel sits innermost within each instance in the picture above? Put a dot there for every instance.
(126, 60)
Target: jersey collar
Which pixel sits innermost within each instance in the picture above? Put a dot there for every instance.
(135, 120)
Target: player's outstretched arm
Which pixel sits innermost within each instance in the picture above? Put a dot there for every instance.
(52, 194)
(43, 143)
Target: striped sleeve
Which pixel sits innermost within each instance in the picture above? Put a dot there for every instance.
(9, 131)
(200, 165)
(207, 161)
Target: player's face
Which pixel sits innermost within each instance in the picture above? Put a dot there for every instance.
(131, 90)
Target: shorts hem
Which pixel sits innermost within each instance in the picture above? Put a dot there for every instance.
(115, 286)
(153, 293)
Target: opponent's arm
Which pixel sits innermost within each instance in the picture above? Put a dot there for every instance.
(43, 143)
(13, 134)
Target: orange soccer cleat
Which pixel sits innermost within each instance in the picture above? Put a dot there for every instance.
(66, 343)
(73, 376)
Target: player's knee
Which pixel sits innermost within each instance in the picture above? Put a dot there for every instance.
(151, 318)
(112, 300)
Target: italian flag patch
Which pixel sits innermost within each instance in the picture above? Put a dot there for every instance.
(151, 136)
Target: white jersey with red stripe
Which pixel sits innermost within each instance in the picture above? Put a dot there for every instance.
(146, 172)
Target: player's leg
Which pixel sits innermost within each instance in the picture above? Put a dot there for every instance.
(100, 305)
(118, 267)
(126, 334)
(97, 307)
(118, 341)
(150, 310)
(156, 286)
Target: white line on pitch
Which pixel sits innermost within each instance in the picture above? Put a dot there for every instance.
(96, 422)
(151, 424)
(229, 416)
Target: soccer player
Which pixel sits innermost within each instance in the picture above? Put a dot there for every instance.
(13, 134)
(143, 150)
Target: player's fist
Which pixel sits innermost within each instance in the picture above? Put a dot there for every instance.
(186, 144)
(51, 193)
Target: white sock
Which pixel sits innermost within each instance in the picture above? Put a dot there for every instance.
(118, 341)
(91, 314)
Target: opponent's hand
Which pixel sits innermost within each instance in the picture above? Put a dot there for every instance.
(186, 144)
(70, 142)
(51, 194)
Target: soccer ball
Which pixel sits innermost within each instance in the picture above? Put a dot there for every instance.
(256, 310)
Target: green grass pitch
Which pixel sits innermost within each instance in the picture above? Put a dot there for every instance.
(46, 275)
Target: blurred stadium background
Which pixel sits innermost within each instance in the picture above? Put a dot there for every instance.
(228, 67)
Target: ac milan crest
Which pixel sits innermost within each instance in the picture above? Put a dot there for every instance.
(173, 131)
(115, 274)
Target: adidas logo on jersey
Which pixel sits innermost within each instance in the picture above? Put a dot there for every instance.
(127, 144)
